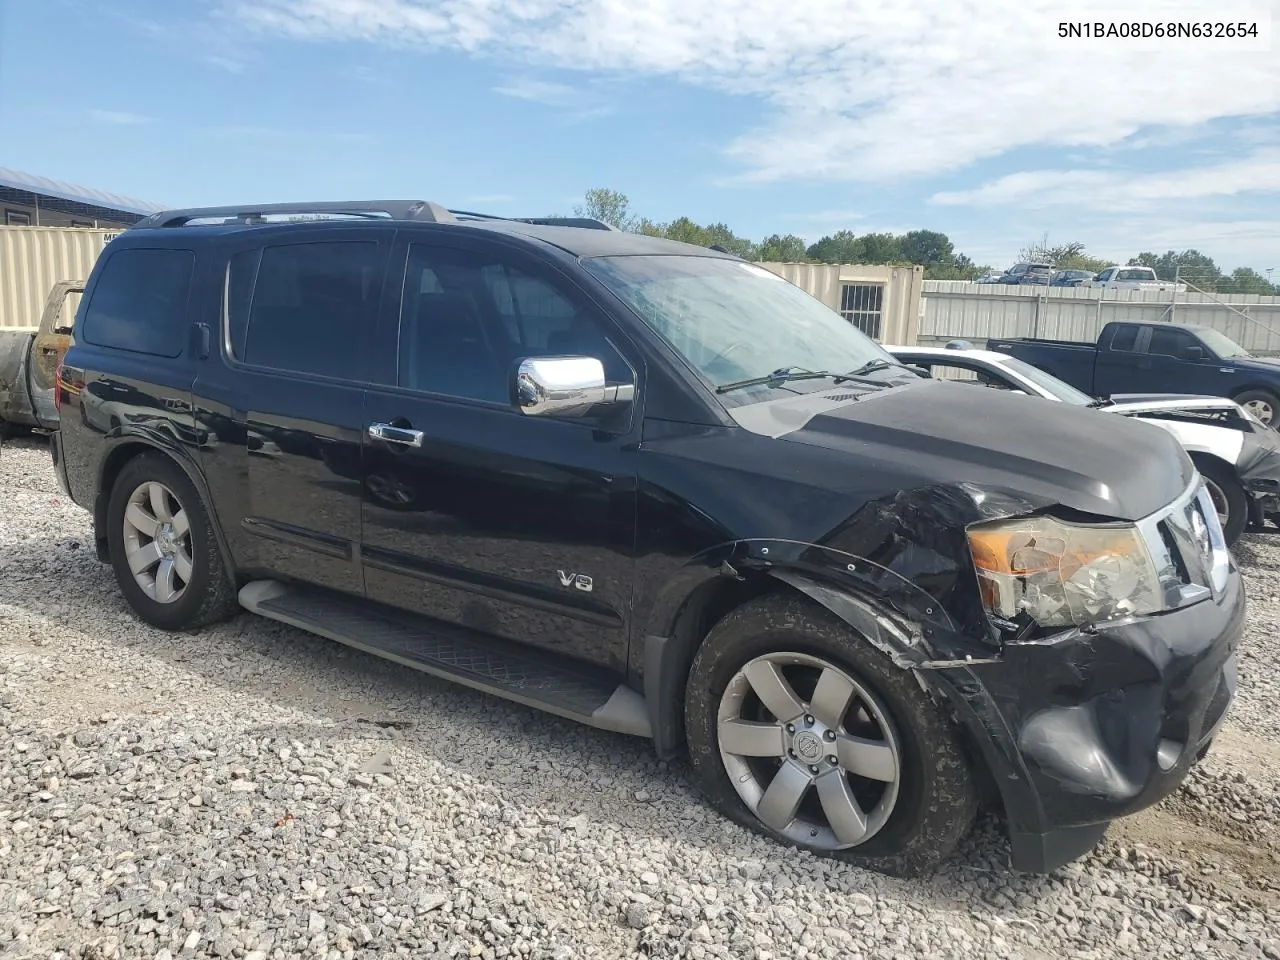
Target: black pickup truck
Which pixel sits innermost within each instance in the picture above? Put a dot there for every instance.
(1157, 357)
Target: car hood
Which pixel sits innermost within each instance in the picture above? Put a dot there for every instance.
(1041, 451)
(1128, 402)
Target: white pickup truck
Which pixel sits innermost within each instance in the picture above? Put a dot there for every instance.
(1131, 278)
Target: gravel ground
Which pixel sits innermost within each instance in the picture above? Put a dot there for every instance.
(253, 791)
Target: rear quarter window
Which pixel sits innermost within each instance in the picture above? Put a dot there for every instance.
(139, 302)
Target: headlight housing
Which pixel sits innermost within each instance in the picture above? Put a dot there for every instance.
(1063, 574)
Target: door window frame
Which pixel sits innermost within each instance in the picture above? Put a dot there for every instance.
(280, 237)
(384, 376)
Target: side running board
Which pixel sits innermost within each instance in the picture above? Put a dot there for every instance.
(543, 680)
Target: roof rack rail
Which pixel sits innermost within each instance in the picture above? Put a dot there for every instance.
(586, 223)
(421, 210)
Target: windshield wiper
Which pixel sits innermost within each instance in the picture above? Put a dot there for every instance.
(871, 366)
(779, 376)
(1100, 402)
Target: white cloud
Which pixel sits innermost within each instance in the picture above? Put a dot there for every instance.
(577, 103)
(1120, 190)
(118, 117)
(914, 87)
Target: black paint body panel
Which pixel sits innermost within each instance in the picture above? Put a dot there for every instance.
(667, 507)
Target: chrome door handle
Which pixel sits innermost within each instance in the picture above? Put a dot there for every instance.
(389, 434)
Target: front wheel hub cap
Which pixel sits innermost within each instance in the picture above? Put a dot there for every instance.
(810, 750)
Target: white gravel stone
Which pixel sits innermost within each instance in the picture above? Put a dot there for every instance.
(255, 792)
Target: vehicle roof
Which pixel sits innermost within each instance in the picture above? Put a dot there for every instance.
(578, 241)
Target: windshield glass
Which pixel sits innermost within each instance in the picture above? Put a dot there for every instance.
(734, 321)
(1046, 381)
(1221, 344)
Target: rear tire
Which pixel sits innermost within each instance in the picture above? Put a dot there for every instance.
(163, 548)
(1228, 494)
(898, 800)
(1263, 404)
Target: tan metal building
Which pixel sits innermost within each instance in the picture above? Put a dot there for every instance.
(882, 302)
(33, 259)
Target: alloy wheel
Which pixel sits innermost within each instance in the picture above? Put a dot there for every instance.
(157, 542)
(1262, 410)
(810, 750)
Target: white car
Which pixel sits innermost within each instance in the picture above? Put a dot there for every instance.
(1238, 455)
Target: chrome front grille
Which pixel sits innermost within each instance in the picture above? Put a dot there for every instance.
(1188, 547)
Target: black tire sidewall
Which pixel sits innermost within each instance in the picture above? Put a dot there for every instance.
(1237, 499)
(186, 612)
(937, 796)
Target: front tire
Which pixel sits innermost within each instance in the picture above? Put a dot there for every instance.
(801, 730)
(163, 548)
(1262, 404)
(1228, 495)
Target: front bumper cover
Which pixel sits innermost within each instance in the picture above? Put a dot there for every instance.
(1086, 726)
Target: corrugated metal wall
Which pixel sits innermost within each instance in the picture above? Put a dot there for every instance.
(979, 312)
(33, 259)
(900, 306)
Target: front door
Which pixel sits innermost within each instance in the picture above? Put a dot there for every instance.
(474, 513)
(1165, 367)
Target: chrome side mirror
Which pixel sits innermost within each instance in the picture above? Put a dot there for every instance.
(565, 387)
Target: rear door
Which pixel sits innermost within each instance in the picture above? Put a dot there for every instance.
(1119, 362)
(49, 347)
(516, 526)
(281, 397)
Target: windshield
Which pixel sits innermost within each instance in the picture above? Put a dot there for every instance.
(734, 321)
(1221, 344)
(1046, 382)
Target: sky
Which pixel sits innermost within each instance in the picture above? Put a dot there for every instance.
(772, 116)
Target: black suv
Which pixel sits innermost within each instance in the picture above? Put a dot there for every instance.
(659, 490)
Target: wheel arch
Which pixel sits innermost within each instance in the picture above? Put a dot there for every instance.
(125, 451)
(1255, 387)
(722, 579)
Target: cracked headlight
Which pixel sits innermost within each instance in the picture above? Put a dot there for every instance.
(1063, 574)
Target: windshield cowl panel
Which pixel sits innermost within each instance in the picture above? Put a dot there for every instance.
(733, 321)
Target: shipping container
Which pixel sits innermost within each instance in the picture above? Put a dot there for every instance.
(33, 259)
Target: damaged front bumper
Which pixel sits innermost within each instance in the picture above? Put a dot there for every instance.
(1090, 725)
(1259, 469)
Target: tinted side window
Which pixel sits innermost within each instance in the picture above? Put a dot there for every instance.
(1124, 338)
(140, 302)
(468, 319)
(309, 306)
(1170, 343)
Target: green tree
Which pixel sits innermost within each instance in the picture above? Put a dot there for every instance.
(927, 248)
(883, 248)
(843, 246)
(1190, 265)
(960, 268)
(609, 206)
(783, 249)
(1248, 280)
(1064, 256)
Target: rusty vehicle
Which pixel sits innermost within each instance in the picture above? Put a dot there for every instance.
(29, 359)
